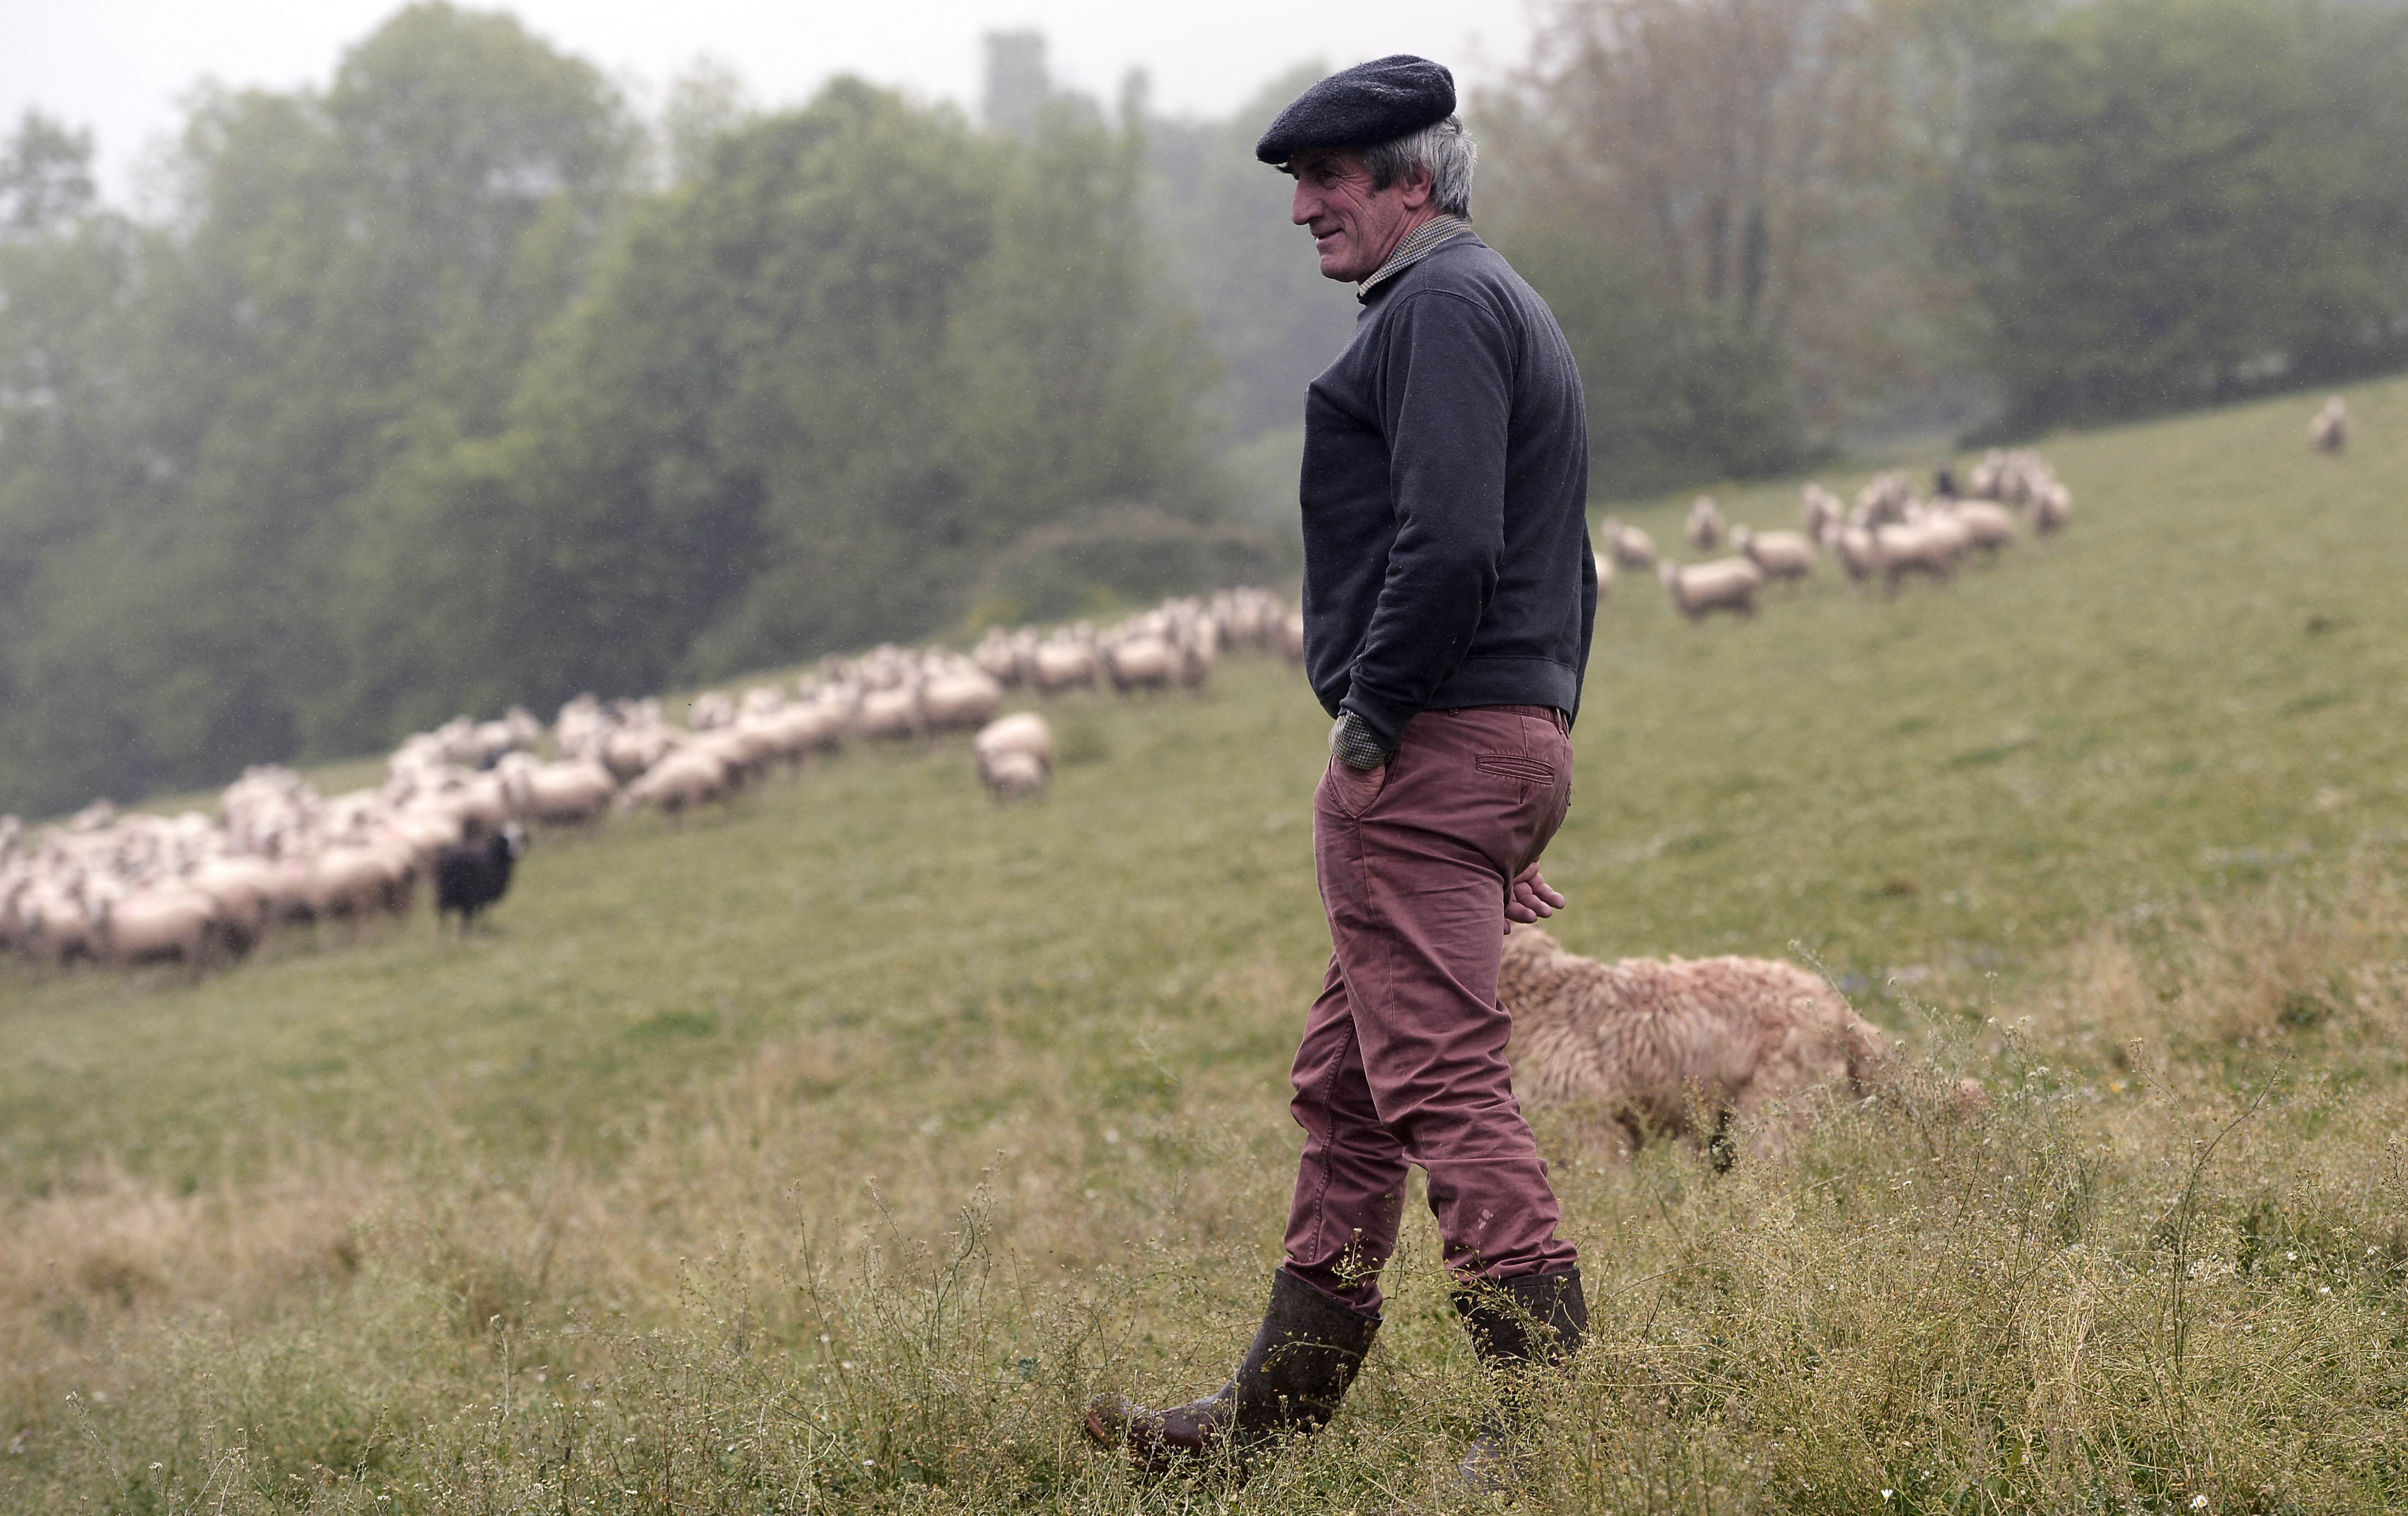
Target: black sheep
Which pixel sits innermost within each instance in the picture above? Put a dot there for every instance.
(473, 875)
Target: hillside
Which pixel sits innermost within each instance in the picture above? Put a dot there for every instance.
(337, 1224)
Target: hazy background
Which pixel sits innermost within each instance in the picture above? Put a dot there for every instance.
(437, 359)
(121, 66)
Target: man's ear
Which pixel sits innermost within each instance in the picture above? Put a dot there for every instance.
(1418, 185)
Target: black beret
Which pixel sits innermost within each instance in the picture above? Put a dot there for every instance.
(1354, 107)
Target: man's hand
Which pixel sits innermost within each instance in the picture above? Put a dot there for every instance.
(1530, 899)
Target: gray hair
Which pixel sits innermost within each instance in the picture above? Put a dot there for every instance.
(1443, 148)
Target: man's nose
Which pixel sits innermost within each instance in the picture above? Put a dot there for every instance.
(1305, 205)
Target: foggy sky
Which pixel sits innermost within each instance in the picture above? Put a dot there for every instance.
(119, 66)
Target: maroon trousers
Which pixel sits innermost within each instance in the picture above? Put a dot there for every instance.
(1403, 1060)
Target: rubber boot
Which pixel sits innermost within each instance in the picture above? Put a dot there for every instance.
(1303, 1359)
(1515, 1327)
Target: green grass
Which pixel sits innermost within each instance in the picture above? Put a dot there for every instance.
(315, 1225)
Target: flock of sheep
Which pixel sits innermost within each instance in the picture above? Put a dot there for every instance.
(1890, 535)
(126, 888)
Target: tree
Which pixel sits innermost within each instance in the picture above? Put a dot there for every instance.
(2183, 207)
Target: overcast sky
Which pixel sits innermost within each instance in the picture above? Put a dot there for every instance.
(120, 65)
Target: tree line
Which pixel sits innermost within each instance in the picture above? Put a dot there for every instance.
(458, 382)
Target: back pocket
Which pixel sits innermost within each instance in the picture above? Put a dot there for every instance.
(1516, 766)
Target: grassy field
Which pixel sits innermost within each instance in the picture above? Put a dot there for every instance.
(825, 1153)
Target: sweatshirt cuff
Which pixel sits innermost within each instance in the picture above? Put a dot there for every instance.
(1385, 725)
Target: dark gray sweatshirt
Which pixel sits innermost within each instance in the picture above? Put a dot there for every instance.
(1445, 490)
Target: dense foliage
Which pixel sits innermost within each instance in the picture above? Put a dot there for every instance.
(456, 384)
(423, 400)
(2197, 197)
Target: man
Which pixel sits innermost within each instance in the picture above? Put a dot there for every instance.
(1449, 596)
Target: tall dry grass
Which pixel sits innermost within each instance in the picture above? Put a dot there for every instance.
(2165, 1267)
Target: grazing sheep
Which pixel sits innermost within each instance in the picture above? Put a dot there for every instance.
(2328, 431)
(470, 878)
(1725, 584)
(1065, 663)
(1291, 635)
(1782, 555)
(961, 700)
(688, 777)
(1604, 575)
(1629, 547)
(1015, 756)
(1143, 662)
(892, 713)
(1990, 525)
(1704, 526)
(1930, 545)
(162, 921)
(577, 789)
(1676, 1048)
(2051, 508)
(996, 657)
(1821, 512)
(356, 881)
(244, 890)
(1884, 500)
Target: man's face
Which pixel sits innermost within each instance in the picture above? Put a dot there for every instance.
(1355, 227)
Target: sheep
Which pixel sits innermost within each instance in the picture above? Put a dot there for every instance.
(892, 713)
(632, 750)
(1143, 662)
(960, 700)
(1604, 566)
(1990, 525)
(1821, 513)
(1015, 756)
(472, 876)
(244, 890)
(1291, 632)
(1704, 526)
(161, 921)
(52, 924)
(1782, 555)
(2052, 509)
(1678, 1047)
(1724, 584)
(1629, 547)
(687, 777)
(1931, 545)
(1065, 663)
(355, 881)
(1884, 500)
(2328, 430)
(996, 657)
(565, 792)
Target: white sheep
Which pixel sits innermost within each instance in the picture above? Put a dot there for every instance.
(161, 921)
(960, 699)
(1724, 584)
(1141, 661)
(1990, 525)
(1704, 526)
(2328, 430)
(1782, 555)
(1629, 547)
(1015, 756)
(1930, 545)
